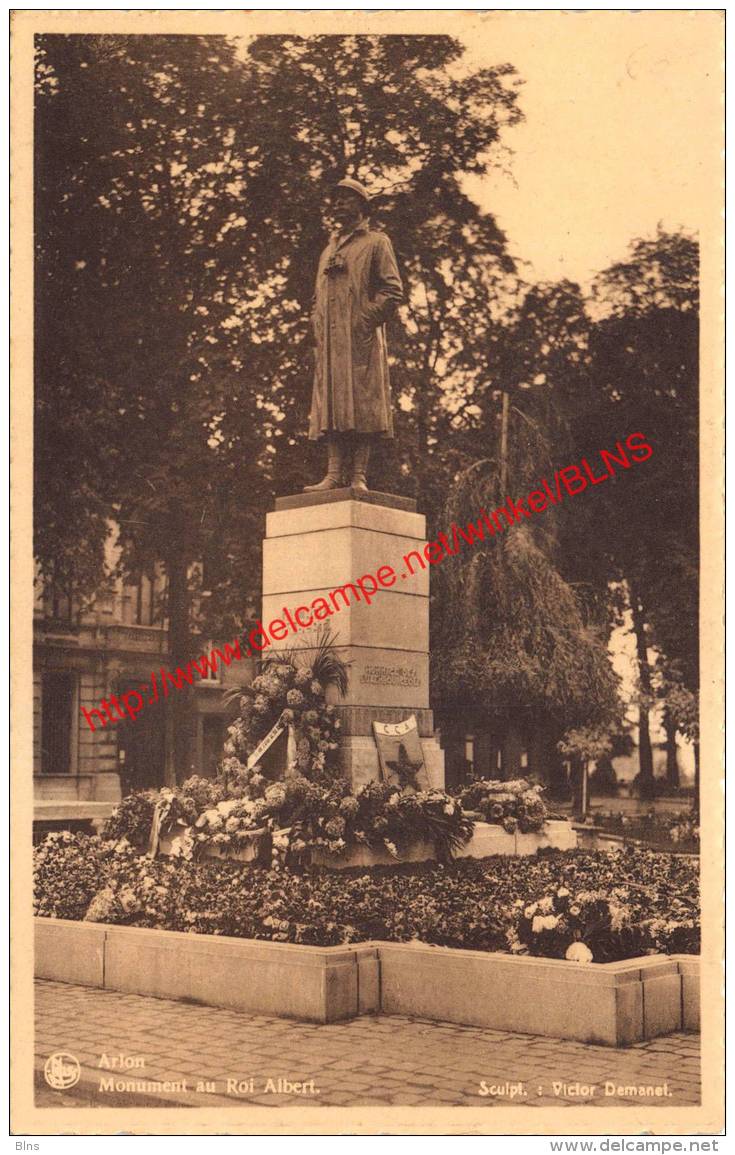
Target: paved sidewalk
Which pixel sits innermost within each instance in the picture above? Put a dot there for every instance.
(373, 1060)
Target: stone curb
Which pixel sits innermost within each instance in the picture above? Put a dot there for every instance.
(609, 1003)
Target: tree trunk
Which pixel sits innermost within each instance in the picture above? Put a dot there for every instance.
(546, 761)
(672, 754)
(512, 746)
(645, 751)
(580, 788)
(178, 702)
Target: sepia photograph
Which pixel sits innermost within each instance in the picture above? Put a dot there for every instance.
(367, 386)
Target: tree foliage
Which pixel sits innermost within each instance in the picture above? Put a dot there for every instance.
(180, 196)
(512, 632)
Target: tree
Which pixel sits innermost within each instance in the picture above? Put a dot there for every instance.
(510, 632)
(133, 203)
(644, 376)
(180, 183)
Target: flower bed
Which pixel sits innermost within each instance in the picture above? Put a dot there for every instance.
(631, 902)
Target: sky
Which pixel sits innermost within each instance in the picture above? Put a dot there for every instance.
(621, 112)
(622, 130)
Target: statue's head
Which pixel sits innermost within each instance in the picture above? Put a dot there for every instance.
(350, 202)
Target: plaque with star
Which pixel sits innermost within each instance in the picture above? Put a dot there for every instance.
(401, 755)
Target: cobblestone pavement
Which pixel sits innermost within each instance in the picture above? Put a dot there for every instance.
(373, 1060)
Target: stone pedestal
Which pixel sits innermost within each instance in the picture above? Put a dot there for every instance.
(319, 544)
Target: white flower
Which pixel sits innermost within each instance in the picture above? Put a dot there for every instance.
(183, 845)
(530, 911)
(546, 904)
(562, 892)
(449, 808)
(578, 952)
(544, 923)
(227, 807)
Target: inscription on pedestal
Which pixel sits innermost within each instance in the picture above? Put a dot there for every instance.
(390, 676)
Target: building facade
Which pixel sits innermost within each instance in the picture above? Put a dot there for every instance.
(81, 655)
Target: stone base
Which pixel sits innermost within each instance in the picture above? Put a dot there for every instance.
(346, 493)
(487, 840)
(559, 834)
(367, 856)
(63, 813)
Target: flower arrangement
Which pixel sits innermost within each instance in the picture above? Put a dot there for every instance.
(514, 805)
(313, 806)
(295, 694)
(301, 815)
(380, 816)
(132, 819)
(297, 814)
(611, 905)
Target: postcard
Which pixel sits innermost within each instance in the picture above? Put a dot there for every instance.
(367, 501)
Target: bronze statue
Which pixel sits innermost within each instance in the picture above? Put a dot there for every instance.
(357, 288)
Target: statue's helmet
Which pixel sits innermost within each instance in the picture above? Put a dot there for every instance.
(354, 186)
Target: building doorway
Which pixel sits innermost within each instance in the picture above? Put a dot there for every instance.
(141, 746)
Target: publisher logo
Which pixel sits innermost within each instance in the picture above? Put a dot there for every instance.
(62, 1070)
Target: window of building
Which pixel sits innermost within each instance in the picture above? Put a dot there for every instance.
(57, 717)
(142, 600)
(210, 678)
(58, 604)
(469, 752)
(146, 608)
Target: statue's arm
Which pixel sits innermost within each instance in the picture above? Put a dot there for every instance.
(386, 284)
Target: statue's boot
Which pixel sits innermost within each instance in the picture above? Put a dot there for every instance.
(333, 478)
(359, 466)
